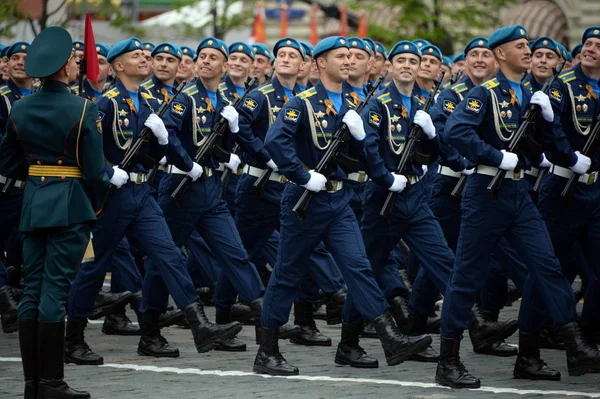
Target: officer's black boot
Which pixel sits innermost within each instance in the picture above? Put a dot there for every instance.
(223, 316)
(119, 324)
(529, 364)
(206, 334)
(397, 346)
(77, 350)
(28, 344)
(496, 347)
(268, 359)
(484, 333)
(450, 370)
(310, 334)
(417, 325)
(582, 357)
(107, 302)
(50, 361)
(335, 306)
(349, 351)
(152, 343)
(8, 310)
(399, 311)
(285, 332)
(242, 313)
(591, 331)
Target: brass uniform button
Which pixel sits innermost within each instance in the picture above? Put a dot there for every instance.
(60, 162)
(39, 162)
(42, 178)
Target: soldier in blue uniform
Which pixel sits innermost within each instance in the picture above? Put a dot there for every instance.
(148, 48)
(576, 105)
(125, 109)
(166, 58)
(63, 163)
(576, 54)
(296, 141)
(186, 71)
(262, 62)
(379, 58)
(302, 80)
(480, 128)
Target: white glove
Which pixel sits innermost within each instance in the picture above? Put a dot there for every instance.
(196, 171)
(545, 163)
(232, 117)
(399, 183)
(582, 165)
(234, 162)
(272, 165)
(540, 98)
(158, 129)
(468, 172)
(509, 160)
(316, 183)
(355, 124)
(119, 178)
(425, 168)
(163, 161)
(423, 119)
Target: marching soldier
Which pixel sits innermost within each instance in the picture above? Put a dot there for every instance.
(262, 62)
(148, 48)
(186, 70)
(66, 187)
(303, 81)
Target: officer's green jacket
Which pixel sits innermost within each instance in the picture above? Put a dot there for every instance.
(53, 127)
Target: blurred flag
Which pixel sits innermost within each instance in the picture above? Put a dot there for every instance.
(344, 21)
(91, 67)
(363, 25)
(258, 27)
(284, 19)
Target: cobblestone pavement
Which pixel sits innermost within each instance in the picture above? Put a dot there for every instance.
(229, 375)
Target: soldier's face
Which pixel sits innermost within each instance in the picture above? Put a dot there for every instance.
(148, 57)
(260, 66)
(378, 63)
(104, 68)
(405, 67)
(516, 54)
(360, 63)
(288, 62)
(165, 66)
(16, 66)
(458, 66)
(480, 63)
(430, 67)
(335, 64)
(590, 53)
(447, 71)
(239, 65)
(132, 64)
(186, 69)
(543, 62)
(577, 59)
(3, 67)
(305, 67)
(211, 63)
(314, 72)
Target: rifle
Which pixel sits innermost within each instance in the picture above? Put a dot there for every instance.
(567, 192)
(211, 147)
(409, 151)
(227, 172)
(334, 154)
(457, 75)
(522, 135)
(460, 186)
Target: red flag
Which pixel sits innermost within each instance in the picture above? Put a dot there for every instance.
(284, 19)
(90, 57)
(313, 35)
(363, 25)
(258, 27)
(344, 21)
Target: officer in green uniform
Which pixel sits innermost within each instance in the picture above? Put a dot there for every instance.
(58, 151)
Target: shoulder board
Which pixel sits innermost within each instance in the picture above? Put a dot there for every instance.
(148, 84)
(446, 84)
(222, 86)
(567, 76)
(384, 98)
(112, 93)
(459, 87)
(307, 93)
(419, 99)
(190, 91)
(37, 83)
(266, 89)
(148, 96)
(490, 84)
(4, 90)
(527, 84)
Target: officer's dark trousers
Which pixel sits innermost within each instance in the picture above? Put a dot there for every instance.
(51, 258)
(484, 222)
(125, 276)
(329, 219)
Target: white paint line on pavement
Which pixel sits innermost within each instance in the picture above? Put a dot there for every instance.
(220, 373)
(101, 321)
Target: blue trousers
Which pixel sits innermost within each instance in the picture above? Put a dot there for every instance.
(484, 222)
(329, 219)
(133, 210)
(125, 274)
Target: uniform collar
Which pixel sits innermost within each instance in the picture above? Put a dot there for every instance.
(535, 85)
(397, 99)
(279, 89)
(14, 88)
(467, 81)
(579, 75)
(55, 85)
(504, 82)
(157, 83)
(322, 96)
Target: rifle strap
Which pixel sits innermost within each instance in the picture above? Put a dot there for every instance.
(584, 131)
(394, 146)
(271, 116)
(313, 127)
(119, 134)
(499, 121)
(8, 105)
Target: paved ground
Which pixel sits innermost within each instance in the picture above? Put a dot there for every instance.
(229, 375)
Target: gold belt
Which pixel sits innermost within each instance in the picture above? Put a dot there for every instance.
(55, 171)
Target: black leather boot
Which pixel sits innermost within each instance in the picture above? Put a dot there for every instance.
(433, 325)
(513, 293)
(417, 325)
(399, 311)
(235, 344)
(77, 351)
(268, 359)
(243, 314)
(591, 331)
(349, 351)
(450, 370)
(256, 307)
(529, 364)
(206, 334)
(10, 322)
(549, 339)
(309, 334)
(119, 324)
(368, 331)
(207, 295)
(170, 318)
(28, 344)
(50, 361)
(397, 346)
(484, 332)
(107, 302)
(335, 306)
(152, 343)
(8, 310)
(582, 357)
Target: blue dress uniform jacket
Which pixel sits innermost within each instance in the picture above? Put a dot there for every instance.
(158, 89)
(9, 93)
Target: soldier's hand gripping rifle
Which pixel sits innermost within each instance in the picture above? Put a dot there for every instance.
(211, 146)
(334, 154)
(409, 152)
(589, 146)
(522, 136)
